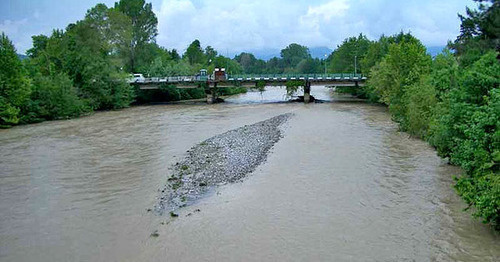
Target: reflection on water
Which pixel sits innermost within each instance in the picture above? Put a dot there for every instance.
(275, 94)
(343, 184)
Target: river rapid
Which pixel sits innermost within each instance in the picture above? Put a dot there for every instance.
(343, 184)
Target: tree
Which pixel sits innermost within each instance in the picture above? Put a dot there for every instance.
(174, 55)
(210, 53)
(231, 65)
(444, 74)
(14, 85)
(479, 32)
(115, 29)
(194, 53)
(274, 66)
(404, 65)
(148, 54)
(309, 66)
(342, 59)
(250, 64)
(293, 54)
(52, 97)
(467, 131)
(374, 54)
(144, 26)
(39, 43)
(379, 49)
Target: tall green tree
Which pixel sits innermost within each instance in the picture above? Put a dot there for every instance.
(194, 53)
(144, 26)
(404, 65)
(14, 85)
(479, 32)
(377, 50)
(309, 66)
(210, 53)
(293, 54)
(115, 29)
(250, 64)
(467, 131)
(174, 55)
(343, 58)
(274, 66)
(39, 44)
(52, 97)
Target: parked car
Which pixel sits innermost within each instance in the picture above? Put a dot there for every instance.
(137, 78)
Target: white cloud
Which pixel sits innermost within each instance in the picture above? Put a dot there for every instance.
(327, 11)
(245, 25)
(223, 24)
(236, 26)
(14, 29)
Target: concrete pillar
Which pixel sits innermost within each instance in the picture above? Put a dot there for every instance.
(210, 98)
(211, 93)
(307, 92)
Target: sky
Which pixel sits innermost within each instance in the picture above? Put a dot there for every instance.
(233, 26)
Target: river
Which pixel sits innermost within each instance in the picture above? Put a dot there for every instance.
(343, 184)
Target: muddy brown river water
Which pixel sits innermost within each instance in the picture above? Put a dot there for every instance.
(341, 185)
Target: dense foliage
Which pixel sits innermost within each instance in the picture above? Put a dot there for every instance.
(14, 85)
(347, 55)
(452, 100)
(84, 67)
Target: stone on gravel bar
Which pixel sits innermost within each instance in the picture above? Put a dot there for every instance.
(222, 159)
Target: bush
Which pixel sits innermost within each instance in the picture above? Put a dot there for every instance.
(420, 100)
(14, 85)
(52, 97)
(467, 130)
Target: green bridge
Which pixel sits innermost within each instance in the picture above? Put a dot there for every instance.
(221, 79)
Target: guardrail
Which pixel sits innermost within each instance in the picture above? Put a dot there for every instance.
(283, 77)
(268, 77)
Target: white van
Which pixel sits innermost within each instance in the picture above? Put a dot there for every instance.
(138, 78)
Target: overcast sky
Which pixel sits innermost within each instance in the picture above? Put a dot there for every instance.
(245, 25)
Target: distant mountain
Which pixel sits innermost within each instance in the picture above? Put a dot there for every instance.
(435, 50)
(320, 52)
(21, 56)
(268, 53)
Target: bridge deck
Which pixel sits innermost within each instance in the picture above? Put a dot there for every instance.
(251, 81)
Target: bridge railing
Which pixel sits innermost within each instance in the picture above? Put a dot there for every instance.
(282, 77)
(253, 77)
(169, 79)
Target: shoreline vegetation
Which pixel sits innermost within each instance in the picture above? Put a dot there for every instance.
(451, 100)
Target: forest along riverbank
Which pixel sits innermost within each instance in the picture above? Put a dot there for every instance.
(222, 159)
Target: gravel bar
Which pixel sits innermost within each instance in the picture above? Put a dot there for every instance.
(222, 159)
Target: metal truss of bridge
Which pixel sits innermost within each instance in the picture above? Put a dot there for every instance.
(212, 82)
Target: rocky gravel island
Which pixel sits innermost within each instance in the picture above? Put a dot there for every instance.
(222, 159)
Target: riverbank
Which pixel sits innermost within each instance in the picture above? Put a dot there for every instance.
(224, 158)
(165, 95)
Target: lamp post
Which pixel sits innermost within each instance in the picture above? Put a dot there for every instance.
(355, 69)
(325, 63)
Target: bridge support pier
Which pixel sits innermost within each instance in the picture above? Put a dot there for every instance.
(211, 93)
(307, 92)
